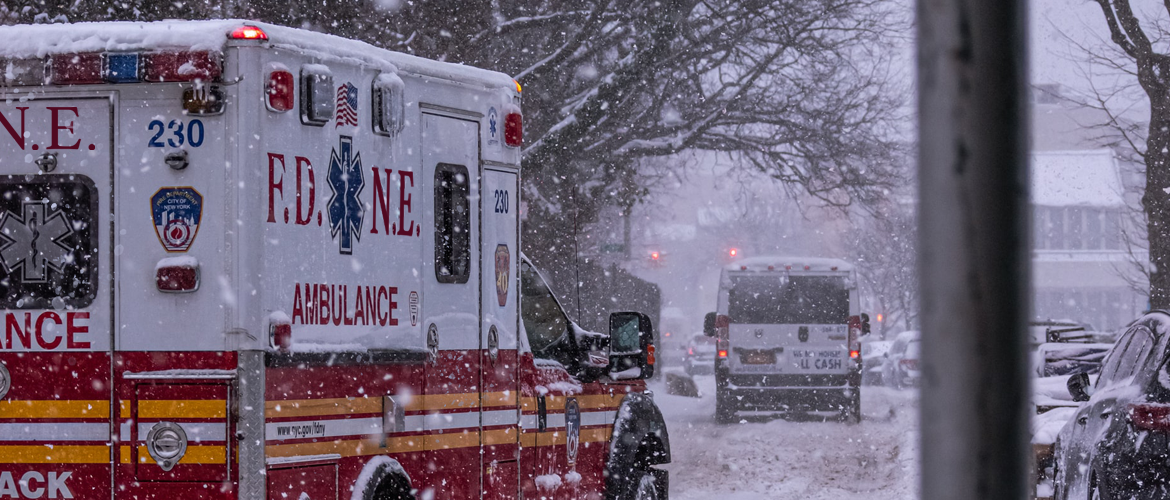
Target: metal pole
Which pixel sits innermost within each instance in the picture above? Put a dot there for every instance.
(973, 252)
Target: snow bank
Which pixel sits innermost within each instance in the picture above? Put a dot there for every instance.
(1046, 426)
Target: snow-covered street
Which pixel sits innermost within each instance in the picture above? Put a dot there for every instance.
(805, 457)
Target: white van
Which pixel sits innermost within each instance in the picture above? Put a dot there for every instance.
(787, 331)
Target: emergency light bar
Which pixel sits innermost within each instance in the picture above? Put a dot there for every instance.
(92, 68)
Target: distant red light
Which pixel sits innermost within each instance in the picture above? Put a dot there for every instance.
(880, 317)
(722, 354)
(654, 255)
(248, 33)
(733, 252)
(854, 354)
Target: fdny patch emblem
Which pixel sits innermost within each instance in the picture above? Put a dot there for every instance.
(503, 265)
(346, 180)
(176, 212)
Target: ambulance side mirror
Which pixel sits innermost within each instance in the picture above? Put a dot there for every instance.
(631, 346)
(709, 324)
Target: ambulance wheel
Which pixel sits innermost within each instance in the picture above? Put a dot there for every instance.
(646, 488)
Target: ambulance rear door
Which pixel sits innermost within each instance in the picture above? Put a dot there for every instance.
(55, 258)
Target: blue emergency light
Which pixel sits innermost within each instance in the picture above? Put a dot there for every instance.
(121, 68)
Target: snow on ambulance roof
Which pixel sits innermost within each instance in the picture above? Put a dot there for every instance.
(39, 40)
(1076, 178)
(779, 262)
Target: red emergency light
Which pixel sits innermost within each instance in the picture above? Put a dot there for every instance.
(75, 69)
(513, 130)
(248, 33)
(280, 95)
(182, 66)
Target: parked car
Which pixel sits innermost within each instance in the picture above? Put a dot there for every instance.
(700, 355)
(900, 367)
(873, 357)
(1115, 445)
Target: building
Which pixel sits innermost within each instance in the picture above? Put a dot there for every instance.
(1086, 231)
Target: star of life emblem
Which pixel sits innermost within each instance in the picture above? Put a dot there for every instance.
(346, 180)
(34, 241)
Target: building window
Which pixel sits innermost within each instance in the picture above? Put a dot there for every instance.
(452, 224)
(1076, 228)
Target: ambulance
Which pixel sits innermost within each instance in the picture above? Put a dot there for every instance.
(240, 260)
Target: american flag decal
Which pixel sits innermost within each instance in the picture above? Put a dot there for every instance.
(347, 105)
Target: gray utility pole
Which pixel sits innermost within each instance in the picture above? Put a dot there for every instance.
(973, 249)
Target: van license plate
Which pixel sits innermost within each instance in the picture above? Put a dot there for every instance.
(758, 358)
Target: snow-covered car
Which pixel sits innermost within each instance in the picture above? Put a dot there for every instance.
(873, 356)
(900, 366)
(1115, 444)
(700, 355)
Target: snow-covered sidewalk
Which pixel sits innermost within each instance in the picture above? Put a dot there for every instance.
(805, 457)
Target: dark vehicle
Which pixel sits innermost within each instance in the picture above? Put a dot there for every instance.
(700, 356)
(787, 337)
(1115, 446)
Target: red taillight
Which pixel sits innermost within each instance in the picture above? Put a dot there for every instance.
(177, 275)
(248, 33)
(650, 354)
(1150, 416)
(854, 354)
(181, 67)
(690, 351)
(75, 69)
(909, 364)
(723, 354)
(513, 130)
(280, 95)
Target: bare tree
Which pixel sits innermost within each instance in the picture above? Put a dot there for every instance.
(1143, 54)
(887, 265)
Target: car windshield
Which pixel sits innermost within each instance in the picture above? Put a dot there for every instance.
(788, 300)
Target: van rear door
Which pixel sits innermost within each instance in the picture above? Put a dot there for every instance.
(55, 176)
(788, 324)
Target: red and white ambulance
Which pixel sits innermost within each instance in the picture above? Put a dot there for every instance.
(246, 261)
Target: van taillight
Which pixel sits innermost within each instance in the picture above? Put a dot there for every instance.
(855, 333)
(513, 130)
(723, 354)
(1150, 416)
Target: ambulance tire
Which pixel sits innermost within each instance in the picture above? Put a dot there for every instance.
(646, 488)
(387, 482)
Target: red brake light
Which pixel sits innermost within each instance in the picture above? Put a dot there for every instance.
(279, 94)
(854, 354)
(1150, 416)
(513, 130)
(177, 275)
(690, 351)
(854, 333)
(248, 33)
(722, 354)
